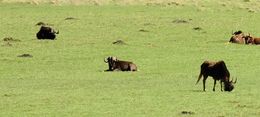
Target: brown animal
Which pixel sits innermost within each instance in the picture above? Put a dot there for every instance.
(117, 65)
(237, 37)
(218, 71)
(252, 40)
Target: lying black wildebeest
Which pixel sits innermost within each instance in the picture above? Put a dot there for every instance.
(46, 32)
(117, 65)
(218, 71)
(238, 37)
(252, 40)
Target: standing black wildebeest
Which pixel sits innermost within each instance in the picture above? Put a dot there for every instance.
(117, 65)
(46, 32)
(218, 71)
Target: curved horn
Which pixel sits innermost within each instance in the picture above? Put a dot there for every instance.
(235, 81)
(57, 32)
(114, 58)
(231, 80)
(105, 60)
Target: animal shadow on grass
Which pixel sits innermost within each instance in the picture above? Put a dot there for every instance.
(192, 90)
(196, 90)
(218, 41)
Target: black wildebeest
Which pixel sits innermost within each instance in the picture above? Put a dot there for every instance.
(218, 71)
(252, 40)
(238, 37)
(46, 32)
(117, 65)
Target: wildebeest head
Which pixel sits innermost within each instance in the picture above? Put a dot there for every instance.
(46, 32)
(249, 39)
(237, 37)
(228, 86)
(111, 62)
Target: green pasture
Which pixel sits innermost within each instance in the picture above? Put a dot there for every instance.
(168, 42)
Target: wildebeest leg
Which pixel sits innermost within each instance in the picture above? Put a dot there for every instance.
(214, 85)
(221, 83)
(133, 67)
(204, 82)
(108, 70)
(116, 69)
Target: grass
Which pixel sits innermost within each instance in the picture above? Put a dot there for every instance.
(65, 77)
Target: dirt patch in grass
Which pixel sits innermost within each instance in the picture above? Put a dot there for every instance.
(11, 39)
(25, 55)
(40, 24)
(187, 112)
(71, 18)
(182, 21)
(119, 42)
(143, 30)
(197, 28)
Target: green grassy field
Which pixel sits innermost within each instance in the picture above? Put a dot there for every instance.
(66, 78)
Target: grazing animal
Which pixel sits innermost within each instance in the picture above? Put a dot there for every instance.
(46, 32)
(117, 65)
(252, 40)
(218, 71)
(237, 37)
